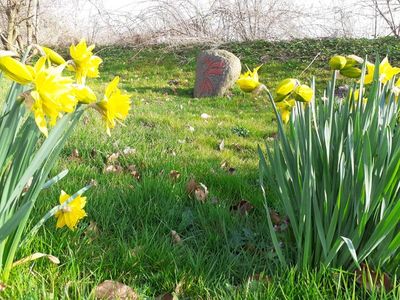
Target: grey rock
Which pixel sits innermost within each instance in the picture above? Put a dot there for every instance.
(216, 72)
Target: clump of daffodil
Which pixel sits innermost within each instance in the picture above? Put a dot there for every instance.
(386, 72)
(115, 105)
(291, 88)
(348, 66)
(249, 81)
(84, 63)
(69, 215)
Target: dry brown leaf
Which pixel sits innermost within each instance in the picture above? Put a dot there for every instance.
(128, 151)
(2, 286)
(221, 145)
(36, 256)
(372, 279)
(201, 193)
(174, 175)
(191, 186)
(243, 207)
(113, 169)
(176, 239)
(111, 290)
(75, 155)
(136, 175)
(225, 166)
(166, 296)
(275, 217)
(112, 157)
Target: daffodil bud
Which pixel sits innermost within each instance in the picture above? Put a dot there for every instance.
(303, 93)
(53, 56)
(337, 62)
(351, 72)
(285, 88)
(15, 70)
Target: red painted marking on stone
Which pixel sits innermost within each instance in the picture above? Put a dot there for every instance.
(213, 68)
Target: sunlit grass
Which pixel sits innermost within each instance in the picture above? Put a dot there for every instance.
(221, 249)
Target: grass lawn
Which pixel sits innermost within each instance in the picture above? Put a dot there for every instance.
(127, 233)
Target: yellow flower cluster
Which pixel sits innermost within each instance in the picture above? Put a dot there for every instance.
(52, 94)
(288, 92)
(348, 66)
(386, 72)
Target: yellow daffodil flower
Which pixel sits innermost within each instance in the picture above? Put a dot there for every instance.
(303, 93)
(248, 81)
(386, 72)
(15, 70)
(285, 88)
(72, 213)
(356, 96)
(285, 108)
(115, 106)
(84, 94)
(52, 94)
(337, 62)
(53, 56)
(85, 64)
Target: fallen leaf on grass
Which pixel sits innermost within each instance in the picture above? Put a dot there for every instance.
(174, 175)
(191, 186)
(112, 157)
(113, 169)
(372, 279)
(36, 256)
(201, 193)
(221, 145)
(225, 166)
(176, 239)
(243, 207)
(2, 287)
(198, 190)
(111, 290)
(275, 217)
(75, 155)
(128, 151)
(166, 296)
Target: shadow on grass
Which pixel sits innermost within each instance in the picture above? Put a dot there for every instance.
(178, 91)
